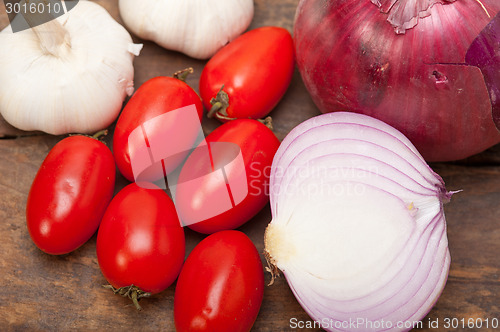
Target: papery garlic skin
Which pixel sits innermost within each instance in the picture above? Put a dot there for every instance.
(197, 28)
(80, 88)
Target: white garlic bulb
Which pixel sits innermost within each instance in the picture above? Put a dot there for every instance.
(69, 75)
(197, 28)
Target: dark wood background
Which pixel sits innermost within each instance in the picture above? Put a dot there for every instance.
(42, 292)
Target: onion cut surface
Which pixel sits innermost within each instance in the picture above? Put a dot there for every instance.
(358, 226)
(430, 68)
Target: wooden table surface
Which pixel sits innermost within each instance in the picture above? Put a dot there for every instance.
(58, 293)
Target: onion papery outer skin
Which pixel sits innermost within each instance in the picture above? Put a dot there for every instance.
(419, 81)
(392, 223)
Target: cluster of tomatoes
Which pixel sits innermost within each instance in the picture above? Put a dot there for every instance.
(140, 240)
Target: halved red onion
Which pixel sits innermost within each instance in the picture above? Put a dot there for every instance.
(358, 225)
(430, 68)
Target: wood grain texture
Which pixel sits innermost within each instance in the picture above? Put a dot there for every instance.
(41, 292)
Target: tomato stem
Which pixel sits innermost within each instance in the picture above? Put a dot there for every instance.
(100, 133)
(132, 292)
(97, 136)
(219, 105)
(183, 74)
(268, 122)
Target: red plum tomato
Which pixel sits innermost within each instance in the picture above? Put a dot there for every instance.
(221, 285)
(69, 194)
(249, 76)
(149, 112)
(140, 241)
(225, 180)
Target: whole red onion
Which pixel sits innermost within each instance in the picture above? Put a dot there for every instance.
(430, 68)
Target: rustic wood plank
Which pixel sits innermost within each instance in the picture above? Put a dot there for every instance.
(46, 292)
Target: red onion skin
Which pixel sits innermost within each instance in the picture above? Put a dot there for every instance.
(351, 59)
(484, 53)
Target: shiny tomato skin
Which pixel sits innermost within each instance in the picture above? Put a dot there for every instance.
(155, 97)
(140, 241)
(255, 69)
(258, 145)
(221, 285)
(69, 194)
